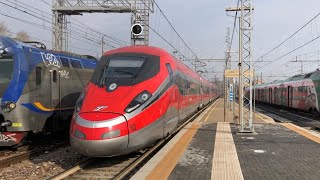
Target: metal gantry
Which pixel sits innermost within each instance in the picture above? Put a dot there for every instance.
(246, 70)
(140, 10)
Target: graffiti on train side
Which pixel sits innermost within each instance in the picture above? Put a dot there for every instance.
(50, 59)
(64, 74)
(7, 137)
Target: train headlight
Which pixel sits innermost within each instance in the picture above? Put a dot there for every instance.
(138, 101)
(112, 134)
(79, 134)
(112, 87)
(12, 105)
(8, 107)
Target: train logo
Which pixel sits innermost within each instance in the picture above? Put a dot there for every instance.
(99, 108)
(50, 59)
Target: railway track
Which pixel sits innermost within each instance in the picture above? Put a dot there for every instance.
(19, 156)
(299, 118)
(121, 167)
(9, 157)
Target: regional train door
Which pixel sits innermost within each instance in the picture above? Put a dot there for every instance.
(290, 93)
(54, 88)
(270, 95)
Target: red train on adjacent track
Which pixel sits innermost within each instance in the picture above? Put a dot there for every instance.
(137, 95)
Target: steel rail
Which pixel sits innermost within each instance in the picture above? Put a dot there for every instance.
(132, 164)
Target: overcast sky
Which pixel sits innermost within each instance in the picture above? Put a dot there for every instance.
(202, 24)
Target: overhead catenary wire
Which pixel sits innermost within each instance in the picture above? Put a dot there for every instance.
(277, 46)
(234, 26)
(87, 27)
(45, 20)
(49, 16)
(40, 26)
(301, 46)
(43, 40)
(174, 29)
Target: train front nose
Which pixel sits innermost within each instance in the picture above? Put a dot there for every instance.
(99, 134)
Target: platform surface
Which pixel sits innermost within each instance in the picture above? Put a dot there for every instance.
(210, 148)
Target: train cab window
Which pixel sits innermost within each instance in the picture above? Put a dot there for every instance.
(124, 68)
(6, 68)
(6, 72)
(307, 75)
(76, 64)
(65, 62)
(38, 76)
(54, 76)
(169, 71)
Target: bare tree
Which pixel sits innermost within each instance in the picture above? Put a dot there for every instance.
(23, 36)
(4, 29)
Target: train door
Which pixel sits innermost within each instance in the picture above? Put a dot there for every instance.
(289, 96)
(275, 96)
(171, 118)
(54, 88)
(270, 95)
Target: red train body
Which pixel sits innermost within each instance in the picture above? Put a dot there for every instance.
(137, 95)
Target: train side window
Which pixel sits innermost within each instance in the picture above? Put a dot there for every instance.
(65, 62)
(169, 71)
(76, 64)
(54, 76)
(38, 76)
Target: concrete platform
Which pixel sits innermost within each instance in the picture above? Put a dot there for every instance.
(210, 148)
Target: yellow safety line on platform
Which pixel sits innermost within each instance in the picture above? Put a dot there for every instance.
(302, 131)
(225, 163)
(266, 119)
(164, 168)
(213, 107)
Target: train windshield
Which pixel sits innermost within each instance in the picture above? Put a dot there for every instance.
(6, 70)
(124, 67)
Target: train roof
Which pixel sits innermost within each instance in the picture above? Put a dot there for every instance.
(33, 45)
(312, 75)
(153, 51)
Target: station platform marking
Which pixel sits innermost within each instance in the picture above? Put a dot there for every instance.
(164, 168)
(153, 170)
(213, 107)
(226, 164)
(306, 133)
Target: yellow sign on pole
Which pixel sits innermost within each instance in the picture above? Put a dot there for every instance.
(231, 73)
(234, 73)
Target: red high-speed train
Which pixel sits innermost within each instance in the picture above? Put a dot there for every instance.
(137, 95)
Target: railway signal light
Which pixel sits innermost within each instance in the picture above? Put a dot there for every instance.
(136, 29)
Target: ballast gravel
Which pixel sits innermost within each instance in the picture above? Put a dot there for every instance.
(43, 166)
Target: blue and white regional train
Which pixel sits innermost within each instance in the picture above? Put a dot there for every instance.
(38, 88)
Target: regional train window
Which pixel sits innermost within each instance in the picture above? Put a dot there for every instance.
(6, 68)
(76, 64)
(54, 76)
(126, 67)
(38, 76)
(65, 62)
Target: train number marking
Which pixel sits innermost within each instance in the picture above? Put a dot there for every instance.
(7, 138)
(50, 59)
(132, 127)
(64, 74)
